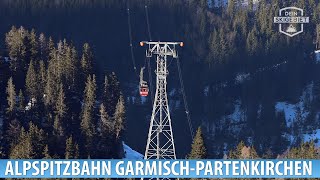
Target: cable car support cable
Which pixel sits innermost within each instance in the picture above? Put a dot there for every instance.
(148, 24)
(150, 80)
(148, 58)
(130, 40)
(185, 99)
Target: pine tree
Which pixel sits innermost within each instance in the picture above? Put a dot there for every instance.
(23, 150)
(16, 47)
(70, 66)
(237, 153)
(87, 114)
(33, 44)
(21, 101)
(11, 98)
(315, 15)
(60, 106)
(88, 107)
(50, 88)
(114, 93)
(42, 78)
(252, 43)
(253, 153)
(306, 150)
(250, 4)
(119, 117)
(106, 135)
(77, 152)
(46, 153)
(106, 97)
(59, 61)
(244, 19)
(42, 47)
(214, 43)
(71, 149)
(302, 4)
(74, 68)
(57, 126)
(318, 36)
(31, 82)
(202, 16)
(13, 132)
(198, 149)
(223, 55)
(38, 139)
(51, 49)
(31, 144)
(106, 124)
(87, 60)
(231, 8)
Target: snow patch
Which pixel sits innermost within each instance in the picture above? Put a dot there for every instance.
(291, 110)
(314, 136)
(6, 59)
(250, 141)
(129, 153)
(241, 77)
(225, 148)
(30, 104)
(259, 111)
(237, 113)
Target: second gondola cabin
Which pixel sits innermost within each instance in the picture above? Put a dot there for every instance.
(144, 90)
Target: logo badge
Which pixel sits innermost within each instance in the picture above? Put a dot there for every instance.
(291, 21)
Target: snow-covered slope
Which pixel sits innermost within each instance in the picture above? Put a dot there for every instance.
(130, 153)
(291, 111)
(299, 110)
(314, 136)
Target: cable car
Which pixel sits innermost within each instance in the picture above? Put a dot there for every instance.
(144, 89)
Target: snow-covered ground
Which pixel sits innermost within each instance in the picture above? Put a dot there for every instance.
(292, 110)
(315, 136)
(130, 153)
(241, 77)
(225, 2)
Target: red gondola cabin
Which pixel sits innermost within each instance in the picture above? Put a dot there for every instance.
(144, 90)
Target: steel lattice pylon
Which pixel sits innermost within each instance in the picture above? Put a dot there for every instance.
(160, 143)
